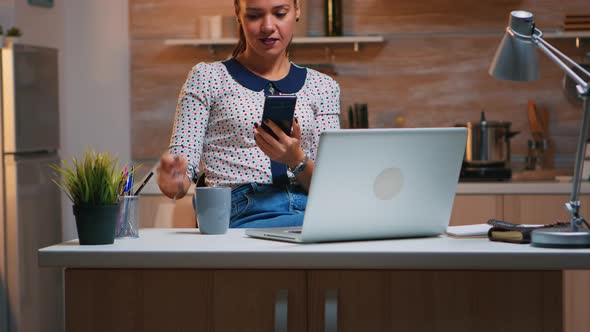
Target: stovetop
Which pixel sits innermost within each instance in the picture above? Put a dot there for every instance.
(485, 174)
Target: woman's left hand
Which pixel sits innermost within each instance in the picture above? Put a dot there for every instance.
(287, 149)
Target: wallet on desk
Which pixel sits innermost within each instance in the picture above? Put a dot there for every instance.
(505, 231)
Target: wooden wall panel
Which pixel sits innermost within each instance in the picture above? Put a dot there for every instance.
(434, 81)
(379, 16)
(172, 18)
(575, 7)
(158, 73)
(432, 68)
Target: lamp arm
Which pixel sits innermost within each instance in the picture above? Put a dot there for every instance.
(584, 91)
(574, 204)
(551, 52)
(565, 57)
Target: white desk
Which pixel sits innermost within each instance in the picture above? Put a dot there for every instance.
(187, 248)
(178, 279)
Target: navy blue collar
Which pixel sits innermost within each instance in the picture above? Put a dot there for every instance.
(291, 83)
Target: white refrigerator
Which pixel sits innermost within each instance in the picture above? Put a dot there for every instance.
(31, 298)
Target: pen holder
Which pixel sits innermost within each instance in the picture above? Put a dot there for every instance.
(128, 220)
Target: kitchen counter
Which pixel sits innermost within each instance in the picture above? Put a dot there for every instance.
(187, 248)
(510, 187)
(500, 187)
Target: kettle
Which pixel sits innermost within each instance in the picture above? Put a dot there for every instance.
(488, 143)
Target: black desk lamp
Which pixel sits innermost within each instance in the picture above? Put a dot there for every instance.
(516, 60)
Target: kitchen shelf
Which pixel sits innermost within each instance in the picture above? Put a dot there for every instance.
(354, 40)
(566, 34)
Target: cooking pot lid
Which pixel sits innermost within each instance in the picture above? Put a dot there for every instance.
(487, 123)
(470, 124)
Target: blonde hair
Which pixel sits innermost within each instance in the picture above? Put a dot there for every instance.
(241, 46)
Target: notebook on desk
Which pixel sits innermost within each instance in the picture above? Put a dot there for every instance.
(379, 183)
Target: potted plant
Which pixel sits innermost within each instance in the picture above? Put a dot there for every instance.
(93, 184)
(12, 35)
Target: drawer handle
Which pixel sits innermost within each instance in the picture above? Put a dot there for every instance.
(281, 310)
(331, 310)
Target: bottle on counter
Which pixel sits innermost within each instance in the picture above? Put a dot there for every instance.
(333, 21)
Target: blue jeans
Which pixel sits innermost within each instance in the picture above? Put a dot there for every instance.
(263, 205)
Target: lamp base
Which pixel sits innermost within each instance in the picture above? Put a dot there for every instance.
(560, 238)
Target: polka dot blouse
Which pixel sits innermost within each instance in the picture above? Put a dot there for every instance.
(216, 111)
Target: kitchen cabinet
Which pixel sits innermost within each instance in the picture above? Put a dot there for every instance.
(474, 203)
(533, 209)
(517, 208)
(259, 300)
(476, 209)
(312, 300)
(457, 301)
(349, 301)
(545, 209)
(159, 211)
(138, 300)
(477, 301)
(541, 209)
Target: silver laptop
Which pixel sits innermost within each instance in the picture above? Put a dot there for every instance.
(379, 183)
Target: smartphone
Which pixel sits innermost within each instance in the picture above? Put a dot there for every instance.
(279, 109)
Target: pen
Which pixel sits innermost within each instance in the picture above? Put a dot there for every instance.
(124, 180)
(147, 178)
(127, 183)
(131, 180)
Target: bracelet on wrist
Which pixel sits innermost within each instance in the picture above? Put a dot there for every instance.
(300, 167)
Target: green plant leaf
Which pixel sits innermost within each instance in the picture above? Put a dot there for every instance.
(95, 179)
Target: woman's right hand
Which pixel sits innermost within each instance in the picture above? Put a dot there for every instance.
(172, 178)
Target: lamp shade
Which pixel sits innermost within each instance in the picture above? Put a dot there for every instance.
(516, 57)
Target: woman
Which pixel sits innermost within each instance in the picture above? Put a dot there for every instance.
(218, 117)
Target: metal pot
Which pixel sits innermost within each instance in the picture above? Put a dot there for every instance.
(488, 143)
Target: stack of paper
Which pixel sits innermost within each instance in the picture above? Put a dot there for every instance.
(469, 230)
